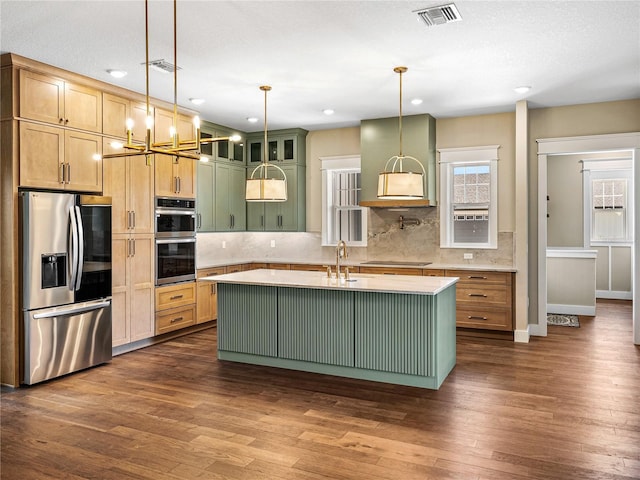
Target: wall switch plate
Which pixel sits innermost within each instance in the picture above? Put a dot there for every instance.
(273, 244)
(468, 256)
(224, 244)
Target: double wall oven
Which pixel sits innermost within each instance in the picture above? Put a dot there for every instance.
(175, 240)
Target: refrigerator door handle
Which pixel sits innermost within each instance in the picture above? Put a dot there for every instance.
(80, 247)
(72, 310)
(73, 248)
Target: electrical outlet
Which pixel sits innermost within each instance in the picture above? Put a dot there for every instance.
(224, 244)
(273, 244)
(468, 256)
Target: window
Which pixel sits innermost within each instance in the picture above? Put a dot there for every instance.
(608, 215)
(468, 203)
(607, 201)
(342, 217)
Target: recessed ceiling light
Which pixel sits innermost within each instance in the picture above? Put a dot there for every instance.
(522, 89)
(252, 119)
(328, 111)
(117, 73)
(197, 101)
(416, 101)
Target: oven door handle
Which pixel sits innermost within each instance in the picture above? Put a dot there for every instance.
(176, 240)
(190, 213)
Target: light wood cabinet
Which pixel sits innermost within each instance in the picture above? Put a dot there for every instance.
(484, 299)
(175, 177)
(163, 123)
(60, 159)
(175, 319)
(115, 112)
(129, 182)
(132, 288)
(52, 100)
(207, 295)
(175, 307)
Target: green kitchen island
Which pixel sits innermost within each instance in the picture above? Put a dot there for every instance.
(395, 329)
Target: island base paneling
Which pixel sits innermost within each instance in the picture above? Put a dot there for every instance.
(291, 327)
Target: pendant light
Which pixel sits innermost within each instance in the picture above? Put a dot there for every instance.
(260, 186)
(175, 147)
(396, 183)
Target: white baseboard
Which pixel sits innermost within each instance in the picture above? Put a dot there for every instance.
(610, 294)
(521, 336)
(572, 309)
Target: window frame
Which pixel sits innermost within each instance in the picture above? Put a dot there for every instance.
(609, 169)
(329, 165)
(467, 156)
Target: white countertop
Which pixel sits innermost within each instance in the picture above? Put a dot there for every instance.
(408, 284)
(358, 263)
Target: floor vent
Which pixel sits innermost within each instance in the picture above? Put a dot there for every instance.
(439, 15)
(162, 66)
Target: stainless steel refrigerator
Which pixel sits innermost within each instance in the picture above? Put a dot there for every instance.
(66, 283)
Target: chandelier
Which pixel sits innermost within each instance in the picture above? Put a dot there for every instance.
(175, 147)
(260, 187)
(394, 182)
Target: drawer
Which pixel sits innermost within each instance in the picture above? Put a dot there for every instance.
(175, 318)
(499, 295)
(178, 295)
(432, 272)
(480, 277)
(209, 272)
(256, 266)
(391, 270)
(490, 319)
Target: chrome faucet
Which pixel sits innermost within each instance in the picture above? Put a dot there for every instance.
(341, 252)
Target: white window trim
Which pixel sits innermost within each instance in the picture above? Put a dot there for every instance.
(334, 163)
(450, 157)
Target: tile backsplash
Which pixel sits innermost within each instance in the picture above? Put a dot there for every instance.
(386, 241)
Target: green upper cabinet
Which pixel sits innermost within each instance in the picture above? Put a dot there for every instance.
(230, 205)
(287, 146)
(380, 140)
(226, 150)
(289, 216)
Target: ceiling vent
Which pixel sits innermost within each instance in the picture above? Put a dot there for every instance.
(439, 15)
(162, 66)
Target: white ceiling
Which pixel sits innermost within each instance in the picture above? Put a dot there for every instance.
(341, 54)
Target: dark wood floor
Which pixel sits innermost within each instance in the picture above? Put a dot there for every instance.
(563, 407)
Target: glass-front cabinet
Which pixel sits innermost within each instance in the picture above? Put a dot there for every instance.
(287, 146)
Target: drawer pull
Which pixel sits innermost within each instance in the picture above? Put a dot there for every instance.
(477, 277)
(177, 319)
(477, 295)
(176, 297)
(474, 317)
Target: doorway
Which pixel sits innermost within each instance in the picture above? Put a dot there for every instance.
(626, 145)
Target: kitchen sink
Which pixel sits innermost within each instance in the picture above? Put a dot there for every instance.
(396, 263)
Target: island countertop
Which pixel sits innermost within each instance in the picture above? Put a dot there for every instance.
(407, 284)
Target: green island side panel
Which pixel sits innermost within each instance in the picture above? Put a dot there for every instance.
(316, 326)
(248, 319)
